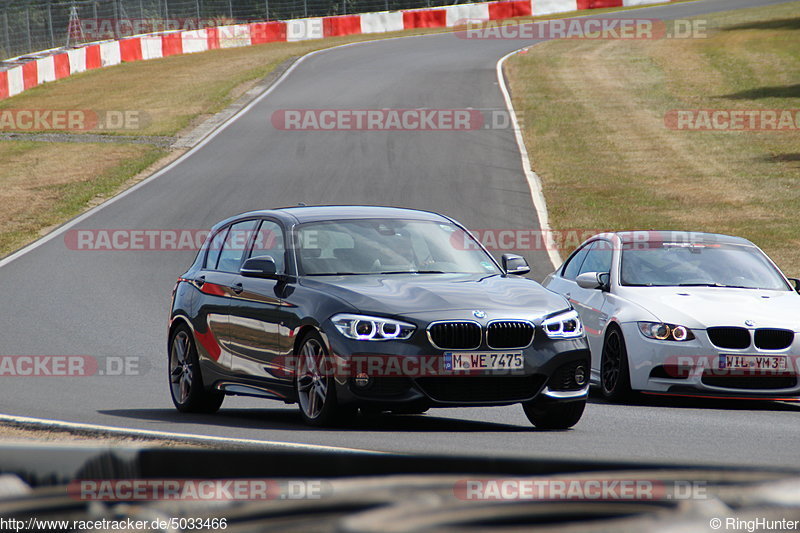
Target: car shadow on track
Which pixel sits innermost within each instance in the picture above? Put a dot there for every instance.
(678, 402)
(289, 419)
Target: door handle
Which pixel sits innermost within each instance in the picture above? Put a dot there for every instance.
(237, 288)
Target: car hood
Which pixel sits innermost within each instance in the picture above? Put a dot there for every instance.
(702, 307)
(408, 294)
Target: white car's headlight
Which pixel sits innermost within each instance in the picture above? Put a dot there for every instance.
(665, 332)
(563, 326)
(371, 328)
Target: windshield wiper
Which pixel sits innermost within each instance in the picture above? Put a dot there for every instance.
(413, 272)
(714, 285)
(340, 273)
(377, 273)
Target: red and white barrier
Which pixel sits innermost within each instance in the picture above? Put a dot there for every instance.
(234, 36)
(110, 54)
(598, 4)
(382, 22)
(467, 13)
(304, 29)
(130, 49)
(61, 64)
(341, 25)
(171, 44)
(548, 7)
(627, 3)
(77, 60)
(93, 57)
(267, 32)
(30, 75)
(151, 46)
(15, 81)
(45, 70)
(194, 41)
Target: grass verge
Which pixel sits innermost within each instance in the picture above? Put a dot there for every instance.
(593, 121)
(47, 183)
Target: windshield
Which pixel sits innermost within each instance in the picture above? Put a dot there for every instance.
(388, 246)
(664, 264)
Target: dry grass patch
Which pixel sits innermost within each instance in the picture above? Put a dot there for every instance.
(594, 126)
(47, 183)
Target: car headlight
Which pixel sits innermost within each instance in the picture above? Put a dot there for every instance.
(563, 326)
(371, 328)
(665, 332)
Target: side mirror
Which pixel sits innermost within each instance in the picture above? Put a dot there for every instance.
(796, 283)
(259, 267)
(515, 264)
(593, 280)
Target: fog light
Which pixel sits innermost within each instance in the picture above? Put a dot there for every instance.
(580, 375)
(361, 380)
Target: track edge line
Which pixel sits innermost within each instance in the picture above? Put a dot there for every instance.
(534, 182)
(44, 423)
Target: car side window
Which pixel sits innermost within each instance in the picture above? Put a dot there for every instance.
(269, 241)
(230, 257)
(214, 248)
(573, 266)
(598, 259)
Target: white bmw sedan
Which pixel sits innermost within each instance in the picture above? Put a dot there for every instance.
(689, 314)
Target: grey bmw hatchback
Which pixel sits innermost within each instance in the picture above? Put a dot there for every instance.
(337, 308)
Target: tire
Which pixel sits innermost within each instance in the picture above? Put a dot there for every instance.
(551, 415)
(316, 391)
(615, 377)
(185, 378)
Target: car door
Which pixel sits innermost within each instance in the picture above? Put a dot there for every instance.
(257, 315)
(211, 306)
(218, 277)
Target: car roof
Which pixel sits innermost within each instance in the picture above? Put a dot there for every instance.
(314, 213)
(634, 236)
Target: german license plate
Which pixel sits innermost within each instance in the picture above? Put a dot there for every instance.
(753, 362)
(483, 361)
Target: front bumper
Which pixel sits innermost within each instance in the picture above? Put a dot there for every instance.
(548, 366)
(691, 368)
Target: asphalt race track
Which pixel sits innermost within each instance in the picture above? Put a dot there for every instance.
(56, 301)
